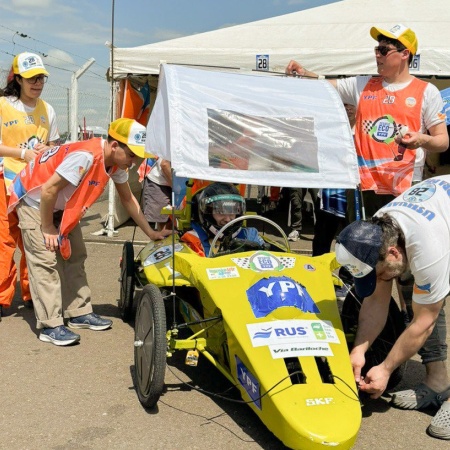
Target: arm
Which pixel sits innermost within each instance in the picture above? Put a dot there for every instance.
(372, 318)
(434, 142)
(296, 68)
(407, 345)
(134, 210)
(166, 170)
(49, 194)
(14, 152)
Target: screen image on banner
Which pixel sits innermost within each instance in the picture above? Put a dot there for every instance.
(273, 144)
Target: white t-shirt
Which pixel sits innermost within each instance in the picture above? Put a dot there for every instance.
(73, 168)
(350, 89)
(423, 214)
(156, 174)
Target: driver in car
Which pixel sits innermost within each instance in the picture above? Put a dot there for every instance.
(212, 208)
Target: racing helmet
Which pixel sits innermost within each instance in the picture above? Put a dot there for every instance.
(220, 198)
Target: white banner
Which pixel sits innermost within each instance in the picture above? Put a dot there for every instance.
(252, 129)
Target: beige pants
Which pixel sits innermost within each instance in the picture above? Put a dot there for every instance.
(57, 286)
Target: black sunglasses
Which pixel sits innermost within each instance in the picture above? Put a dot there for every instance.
(383, 50)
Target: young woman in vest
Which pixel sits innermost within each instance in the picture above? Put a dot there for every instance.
(27, 127)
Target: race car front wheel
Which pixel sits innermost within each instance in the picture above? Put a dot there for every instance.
(382, 345)
(150, 346)
(127, 282)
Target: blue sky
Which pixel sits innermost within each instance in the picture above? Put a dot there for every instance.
(72, 31)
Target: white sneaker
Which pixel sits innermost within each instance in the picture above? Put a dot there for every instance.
(294, 235)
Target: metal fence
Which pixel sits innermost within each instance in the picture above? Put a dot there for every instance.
(94, 105)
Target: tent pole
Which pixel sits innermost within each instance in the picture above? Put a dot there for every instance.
(111, 188)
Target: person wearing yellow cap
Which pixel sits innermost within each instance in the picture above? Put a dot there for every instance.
(51, 196)
(27, 126)
(398, 119)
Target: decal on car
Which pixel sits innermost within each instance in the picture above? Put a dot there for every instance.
(295, 331)
(249, 382)
(160, 254)
(300, 349)
(218, 273)
(261, 261)
(268, 294)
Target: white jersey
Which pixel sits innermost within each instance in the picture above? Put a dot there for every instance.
(423, 214)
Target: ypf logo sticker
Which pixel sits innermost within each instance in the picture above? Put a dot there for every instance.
(271, 293)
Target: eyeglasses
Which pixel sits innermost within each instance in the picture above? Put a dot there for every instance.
(384, 51)
(33, 80)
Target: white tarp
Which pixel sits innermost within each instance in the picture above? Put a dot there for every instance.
(252, 129)
(330, 40)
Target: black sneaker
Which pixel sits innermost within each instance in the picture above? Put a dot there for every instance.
(91, 321)
(59, 336)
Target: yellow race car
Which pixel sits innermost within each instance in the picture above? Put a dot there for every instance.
(267, 318)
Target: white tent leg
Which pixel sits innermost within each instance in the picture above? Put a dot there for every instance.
(109, 223)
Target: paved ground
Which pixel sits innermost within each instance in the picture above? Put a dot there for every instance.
(82, 397)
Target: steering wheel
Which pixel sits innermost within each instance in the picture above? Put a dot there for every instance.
(244, 242)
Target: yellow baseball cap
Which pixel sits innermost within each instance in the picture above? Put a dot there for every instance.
(130, 133)
(399, 32)
(27, 65)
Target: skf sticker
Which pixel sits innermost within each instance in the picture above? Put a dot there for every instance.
(319, 401)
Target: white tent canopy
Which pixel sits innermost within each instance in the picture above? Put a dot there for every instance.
(330, 40)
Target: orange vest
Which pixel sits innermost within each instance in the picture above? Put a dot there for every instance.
(93, 183)
(384, 166)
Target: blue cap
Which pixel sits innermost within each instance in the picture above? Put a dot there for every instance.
(358, 249)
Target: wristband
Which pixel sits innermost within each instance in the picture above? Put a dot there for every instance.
(22, 155)
(321, 77)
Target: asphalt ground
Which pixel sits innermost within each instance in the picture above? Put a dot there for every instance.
(82, 397)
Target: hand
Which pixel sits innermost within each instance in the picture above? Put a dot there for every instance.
(158, 235)
(30, 154)
(50, 238)
(294, 68)
(41, 147)
(411, 140)
(375, 381)
(358, 361)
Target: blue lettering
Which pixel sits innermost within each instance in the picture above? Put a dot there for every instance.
(284, 332)
(429, 215)
(291, 331)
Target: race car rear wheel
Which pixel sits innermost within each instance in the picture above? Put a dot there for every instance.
(127, 282)
(382, 345)
(150, 346)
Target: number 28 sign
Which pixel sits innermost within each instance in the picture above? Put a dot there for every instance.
(262, 62)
